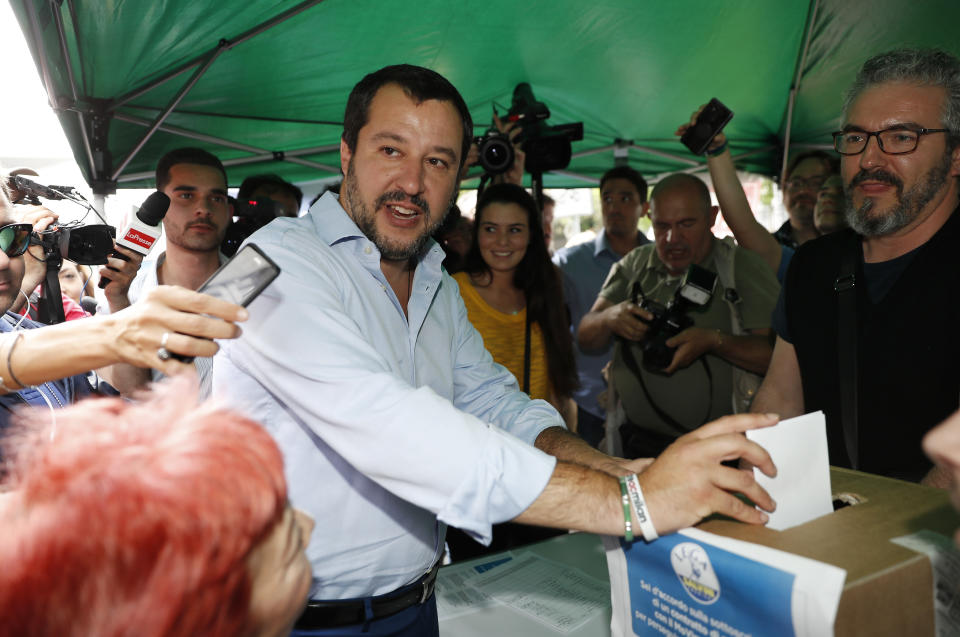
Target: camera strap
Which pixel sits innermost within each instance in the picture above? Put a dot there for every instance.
(526, 353)
(845, 287)
(626, 352)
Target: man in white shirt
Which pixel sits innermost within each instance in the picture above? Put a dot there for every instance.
(194, 225)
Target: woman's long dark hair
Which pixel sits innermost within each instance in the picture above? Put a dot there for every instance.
(541, 284)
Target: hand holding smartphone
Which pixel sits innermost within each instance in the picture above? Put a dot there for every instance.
(240, 280)
(710, 122)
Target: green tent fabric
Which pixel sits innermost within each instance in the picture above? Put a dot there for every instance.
(263, 83)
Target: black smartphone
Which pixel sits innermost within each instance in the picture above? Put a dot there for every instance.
(710, 122)
(243, 277)
(240, 280)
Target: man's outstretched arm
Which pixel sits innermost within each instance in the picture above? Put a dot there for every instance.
(681, 487)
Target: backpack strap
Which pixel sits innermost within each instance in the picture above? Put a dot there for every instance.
(745, 383)
(845, 287)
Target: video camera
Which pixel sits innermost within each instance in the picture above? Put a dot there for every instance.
(83, 244)
(547, 147)
(696, 290)
(86, 245)
(252, 214)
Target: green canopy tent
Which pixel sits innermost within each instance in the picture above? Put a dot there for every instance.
(263, 83)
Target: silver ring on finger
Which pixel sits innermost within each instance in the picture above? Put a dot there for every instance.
(164, 354)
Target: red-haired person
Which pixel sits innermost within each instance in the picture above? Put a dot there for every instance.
(156, 518)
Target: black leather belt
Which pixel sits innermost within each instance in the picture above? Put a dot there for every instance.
(320, 614)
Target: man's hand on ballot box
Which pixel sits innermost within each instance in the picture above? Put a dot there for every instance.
(687, 482)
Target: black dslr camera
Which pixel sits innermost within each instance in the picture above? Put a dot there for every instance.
(696, 290)
(496, 152)
(251, 214)
(547, 147)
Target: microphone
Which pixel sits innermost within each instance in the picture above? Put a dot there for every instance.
(144, 230)
(30, 188)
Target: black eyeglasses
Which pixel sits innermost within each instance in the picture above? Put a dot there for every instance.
(15, 238)
(892, 141)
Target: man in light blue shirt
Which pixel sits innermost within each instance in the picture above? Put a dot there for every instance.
(393, 418)
(623, 200)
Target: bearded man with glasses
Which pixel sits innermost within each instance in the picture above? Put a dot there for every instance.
(866, 321)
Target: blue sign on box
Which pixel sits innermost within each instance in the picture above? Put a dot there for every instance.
(695, 584)
(679, 588)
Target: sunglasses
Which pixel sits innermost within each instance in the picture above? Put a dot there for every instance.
(15, 238)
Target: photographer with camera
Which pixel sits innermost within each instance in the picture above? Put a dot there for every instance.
(669, 393)
(260, 200)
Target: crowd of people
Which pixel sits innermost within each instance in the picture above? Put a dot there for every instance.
(378, 395)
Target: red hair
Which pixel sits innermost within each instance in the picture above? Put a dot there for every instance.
(135, 518)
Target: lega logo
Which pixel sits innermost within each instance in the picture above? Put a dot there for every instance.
(695, 572)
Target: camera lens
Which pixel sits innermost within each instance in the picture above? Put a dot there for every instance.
(496, 154)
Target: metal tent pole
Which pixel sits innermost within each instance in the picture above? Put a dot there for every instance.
(224, 45)
(42, 54)
(815, 6)
(665, 155)
(62, 36)
(166, 112)
(261, 154)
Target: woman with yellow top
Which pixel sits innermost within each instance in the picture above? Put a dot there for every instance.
(507, 279)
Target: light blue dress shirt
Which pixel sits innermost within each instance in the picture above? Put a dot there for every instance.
(384, 420)
(585, 267)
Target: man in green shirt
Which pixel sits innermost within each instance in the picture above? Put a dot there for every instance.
(732, 330)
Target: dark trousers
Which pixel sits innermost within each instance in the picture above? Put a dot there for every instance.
(420, 620)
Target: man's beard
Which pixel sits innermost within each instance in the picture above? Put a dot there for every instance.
(208, 242)
(908, 207)
(366, 219)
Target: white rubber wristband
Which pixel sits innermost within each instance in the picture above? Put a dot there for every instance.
(640, 508)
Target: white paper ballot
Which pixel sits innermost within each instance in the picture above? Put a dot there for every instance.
(801, 489)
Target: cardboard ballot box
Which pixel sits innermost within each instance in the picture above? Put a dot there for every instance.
(888, 588)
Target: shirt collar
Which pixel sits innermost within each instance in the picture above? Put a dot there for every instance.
(602, 244)
(334, 226)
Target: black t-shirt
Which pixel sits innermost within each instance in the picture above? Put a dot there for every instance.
(878, 277)
(908, 346)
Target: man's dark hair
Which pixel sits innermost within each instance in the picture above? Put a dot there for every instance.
(271, 184)
(677, 181)
(186, 155)
(546, 200)
(631, 175)
(829, 160)
(418, 83)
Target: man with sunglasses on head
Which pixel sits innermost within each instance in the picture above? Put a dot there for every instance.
(867, 317)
